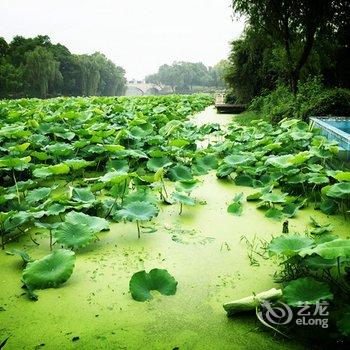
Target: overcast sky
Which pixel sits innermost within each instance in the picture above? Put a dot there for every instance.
(138, 35)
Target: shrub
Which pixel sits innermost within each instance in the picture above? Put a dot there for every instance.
(312, 99)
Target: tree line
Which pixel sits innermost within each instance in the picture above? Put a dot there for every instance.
(286, 42)
(183, 76)
(34, 67)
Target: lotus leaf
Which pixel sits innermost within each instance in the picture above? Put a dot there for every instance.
(154, 164)
(339, 190)
(183, 199)
(306, 291)
(180, 173)
(330, 250)
(49, 271)
(289, 245)
(95, 223)
(142, 283)
(138, 211)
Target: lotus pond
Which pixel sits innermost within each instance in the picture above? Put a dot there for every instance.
(128, 223)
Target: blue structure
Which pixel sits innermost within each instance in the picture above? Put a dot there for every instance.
(335, 129)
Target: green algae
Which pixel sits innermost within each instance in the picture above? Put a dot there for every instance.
(95, 309)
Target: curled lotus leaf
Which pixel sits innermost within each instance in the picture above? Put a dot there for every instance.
(50, 271)
(183, 199)
(142, 283)
(186, 186)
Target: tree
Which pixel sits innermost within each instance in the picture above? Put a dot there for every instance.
(36, 67)
(41, 69)
(216, 74)
(293, 23)
(254, 65)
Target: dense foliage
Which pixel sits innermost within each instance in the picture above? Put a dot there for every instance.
(68, 164)
(288, 41)
(312, 99)
(36, 67)
(183, 76)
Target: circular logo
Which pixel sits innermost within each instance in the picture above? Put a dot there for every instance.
(279, 314)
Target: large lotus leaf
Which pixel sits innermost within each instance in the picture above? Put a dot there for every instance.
(306, 291)
(316, 262)
(330, 250)
(180, 173)
(65, 134)
(186, 186)
(274, 213)
(183, 199)
(328, 206)
(19, 148)
(281, 162)
(207, 162)
(290, 210)
(288, 123)
(343, 323)
(170, 127)
(142, 283)
(58, 169)
(159, 109)
(224, 170)
(179, 143)
(38, 194)
(244, 180)
(83, 195)
(300, 135)
(300, 157)
(339, 190)
(342, 176)
(60, 149)
(318, 228)
(42, 172)
(50, 271)
(114, 148)
(318, 179)
(14, 163)
(133, 153)
(95, 223)
(238, 159)
(77, 164)
(138, 211)
(289, 245)
(74, 235)
(15, 220)
(55, 209)
(254, 196)
(154, 164)
(273, 198)
(118, 164)
(115, 176)
(142, 194)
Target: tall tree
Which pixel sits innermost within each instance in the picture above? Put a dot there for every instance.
(41, 69)
(294, 23)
